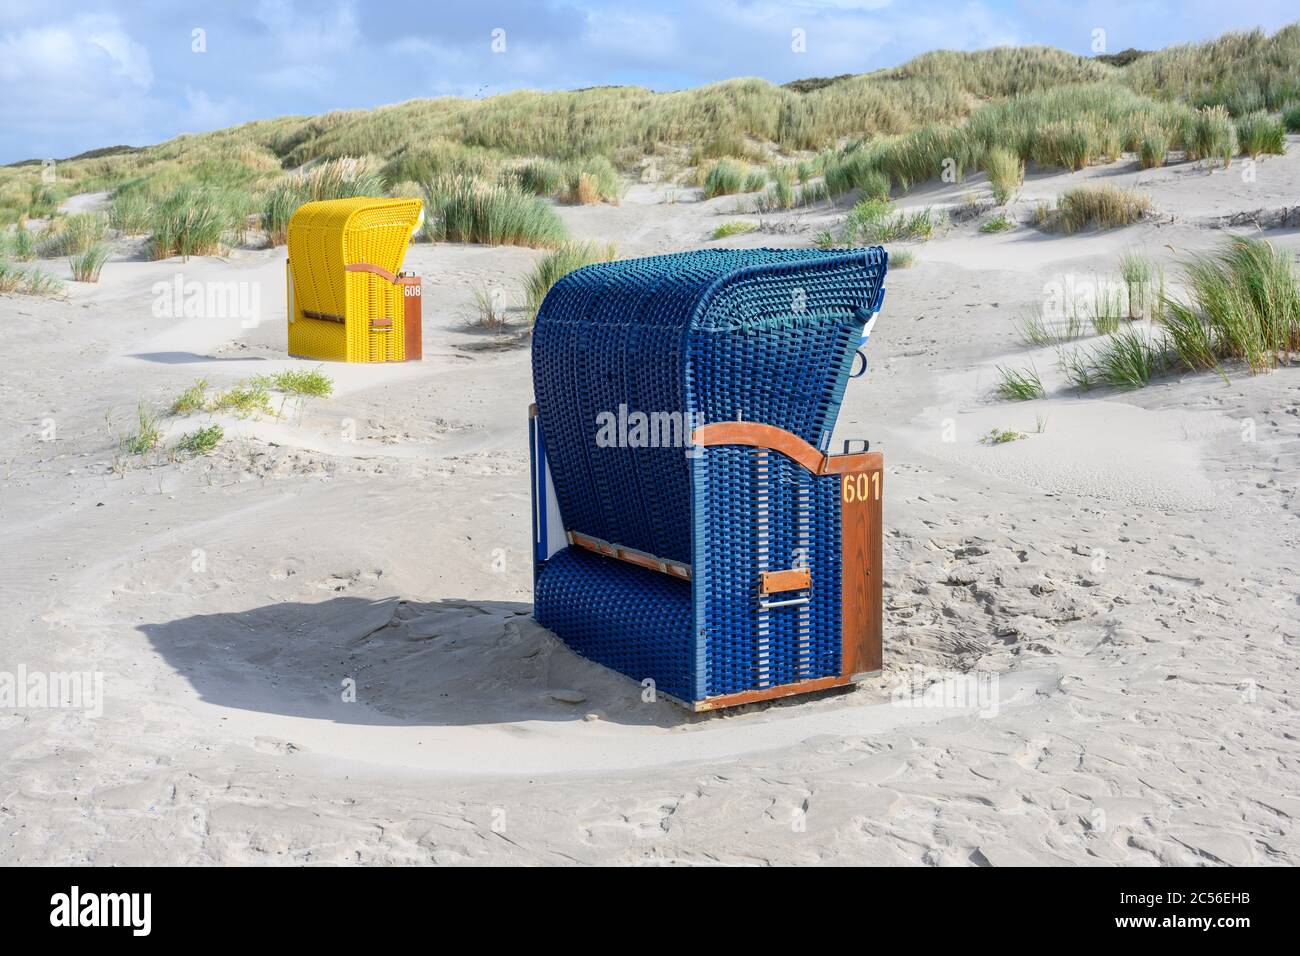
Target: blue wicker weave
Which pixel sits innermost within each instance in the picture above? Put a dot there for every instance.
(761, 335)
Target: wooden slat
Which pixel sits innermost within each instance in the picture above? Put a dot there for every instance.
(862, 560)
(769, 693)
(756, 435)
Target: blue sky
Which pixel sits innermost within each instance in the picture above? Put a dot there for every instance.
(79, 75)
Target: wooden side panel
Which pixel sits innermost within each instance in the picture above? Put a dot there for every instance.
(862, 552)
(412, 297)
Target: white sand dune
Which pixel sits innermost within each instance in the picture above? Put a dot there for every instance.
(1123, 580)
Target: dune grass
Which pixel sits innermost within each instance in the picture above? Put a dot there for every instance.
(21, 244)
(129, 212)
(724, 178)
(191, 221)
(1006, 173)
(1291, 116)
(28, 281)
(1242, 303)
(1209, 134)
(578, 182)
(1019, 384)
(1153, 147)
(342, 178)
(87, 265)
(874, 221)
(462, 209)
(853, 169)
(558, 263)
(1128, 358)
(1105, 207)
(74, 234)
(1259, 133)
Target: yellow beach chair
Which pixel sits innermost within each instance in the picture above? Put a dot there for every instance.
(348, 299)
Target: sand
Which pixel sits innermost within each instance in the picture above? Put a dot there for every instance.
(1110, 602)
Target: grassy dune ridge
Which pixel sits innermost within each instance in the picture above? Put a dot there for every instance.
(890, 129)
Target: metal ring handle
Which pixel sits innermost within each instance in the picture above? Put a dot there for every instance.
(859, 354)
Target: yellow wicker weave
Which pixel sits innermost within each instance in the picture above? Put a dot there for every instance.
(342, 314)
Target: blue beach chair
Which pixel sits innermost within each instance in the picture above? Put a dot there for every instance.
(690, 528)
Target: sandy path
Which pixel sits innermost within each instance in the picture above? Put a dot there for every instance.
(1122, 582)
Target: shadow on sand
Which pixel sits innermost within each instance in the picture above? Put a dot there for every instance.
(449, 662)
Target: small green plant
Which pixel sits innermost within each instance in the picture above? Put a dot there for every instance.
(824, 239)
(735, 227)
(1006, 173)
(146, 436)
(998, 223)
(1036, 331)
(297, 382)
(243, 400)
(191, 400)
(902, 259)
(873, 221)
(1000, 436)
(87, 265)
(1019, 386)
(201, 441)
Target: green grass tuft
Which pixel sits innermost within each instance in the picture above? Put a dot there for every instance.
(1019, 385)
(87, 265)
(735, 227)
(297, 382)
(1006, 172)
